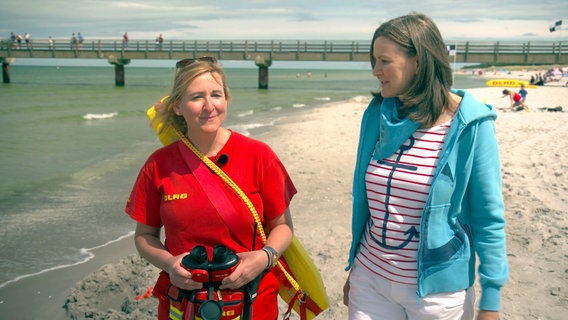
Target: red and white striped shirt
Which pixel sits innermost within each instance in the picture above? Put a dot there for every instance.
(397, 189)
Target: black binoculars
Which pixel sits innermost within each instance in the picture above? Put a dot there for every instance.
(210, 303)
(223, 263)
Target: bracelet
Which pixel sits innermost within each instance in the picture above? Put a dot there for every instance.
(272, 256)
(268, 255)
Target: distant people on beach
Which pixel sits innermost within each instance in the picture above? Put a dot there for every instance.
(427, 195)
(551, 75)
(125, 40)
(537, 79)
(516, 99)
(523, 92)
(50, 43)
(554, 74)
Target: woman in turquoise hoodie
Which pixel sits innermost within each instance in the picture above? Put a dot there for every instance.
(427, 188)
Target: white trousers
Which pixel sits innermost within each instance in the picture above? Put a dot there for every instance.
(372, 297)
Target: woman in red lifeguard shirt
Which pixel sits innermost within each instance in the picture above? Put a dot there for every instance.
(168, 193)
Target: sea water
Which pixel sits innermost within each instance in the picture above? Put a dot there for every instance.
(71, 145)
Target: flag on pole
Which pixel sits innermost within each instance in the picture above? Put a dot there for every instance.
(451, 50)
(556, 26)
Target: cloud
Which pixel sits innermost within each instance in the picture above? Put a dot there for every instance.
(274, 19)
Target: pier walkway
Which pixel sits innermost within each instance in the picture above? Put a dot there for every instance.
(263, 52)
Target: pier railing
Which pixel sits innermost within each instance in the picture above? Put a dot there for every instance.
(499, 52)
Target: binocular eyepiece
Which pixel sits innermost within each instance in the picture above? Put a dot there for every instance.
(208, 301)
(222, 264)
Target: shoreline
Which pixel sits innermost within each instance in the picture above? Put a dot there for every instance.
(318, 148)
(43, 295)
(87, 251)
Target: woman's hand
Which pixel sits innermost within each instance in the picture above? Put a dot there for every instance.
(488, 315)
(179, 276)
(346, 288)
(251, 264)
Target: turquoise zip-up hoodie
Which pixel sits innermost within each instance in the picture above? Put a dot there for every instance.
(464, 212)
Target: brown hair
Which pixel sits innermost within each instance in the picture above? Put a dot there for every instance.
(428, 93)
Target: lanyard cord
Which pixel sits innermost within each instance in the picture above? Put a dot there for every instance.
(242, 195)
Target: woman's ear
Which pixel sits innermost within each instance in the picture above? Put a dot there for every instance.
(176, 108)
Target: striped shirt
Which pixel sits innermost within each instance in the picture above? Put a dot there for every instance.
(397, 189)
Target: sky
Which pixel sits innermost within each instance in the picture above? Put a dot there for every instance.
(482, 20)
(519, 20)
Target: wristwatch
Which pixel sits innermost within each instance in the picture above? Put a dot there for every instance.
(272, 256)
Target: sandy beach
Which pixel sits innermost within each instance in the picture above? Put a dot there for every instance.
(318, 148)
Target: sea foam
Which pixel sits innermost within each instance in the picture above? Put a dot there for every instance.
(100, 116)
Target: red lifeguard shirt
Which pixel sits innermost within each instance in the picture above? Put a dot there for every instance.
(167, 194)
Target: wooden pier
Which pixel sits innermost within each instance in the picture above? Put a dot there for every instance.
(263, 52)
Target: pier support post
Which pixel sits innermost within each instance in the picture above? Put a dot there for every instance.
(263, 63)
(119, 75)
(119, 64)
(6, 68)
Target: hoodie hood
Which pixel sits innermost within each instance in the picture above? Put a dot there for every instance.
(394, 131)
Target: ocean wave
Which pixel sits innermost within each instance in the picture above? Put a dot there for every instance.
(83, 252)
(245, 128)
(245, 114)
(360, 99)
(298, 105)
(99, 116)
(323, 98)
